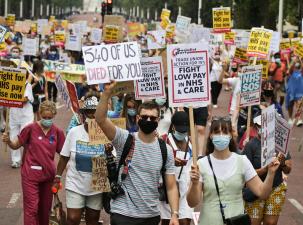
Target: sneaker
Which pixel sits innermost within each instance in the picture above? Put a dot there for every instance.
(299, 123)
(290, 122)
(215, 106)
(15, 165)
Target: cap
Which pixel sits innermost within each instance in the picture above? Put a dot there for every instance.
(257, 120)
(90, 103)
(180, 121)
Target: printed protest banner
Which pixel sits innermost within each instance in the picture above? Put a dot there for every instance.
(95, 133)
(221, 19)
(152, 84)
(282, 134)
(3, 31)
(294, 42)
(133, 29)
(156, 39)
(251, 84)
(12, 87)
(124, 87)
(111, 34)
(120, 62)
(182, 23)
(83, 26)
(73, 43)
(10, 19)
(117, 21)
(30, 46)
(259, 42)
(59, 36)
(72, 92)
(100, 181)
(60, 84)
(275, 42)
(61, 67)
(299, 50)
(242, 38)
(265, 67)
(96, 35)
(268, 119)
(240, 56)
(285, 44)
(165, 14)
(170, 31)
(188, 74)
(77, 29)
(229, 38)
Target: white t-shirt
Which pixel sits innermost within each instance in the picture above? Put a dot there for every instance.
(79, 176)
(235, 83)
(226, 168)
(215, 72)
(165, 122)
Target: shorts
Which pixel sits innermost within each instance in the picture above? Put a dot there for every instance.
(78, 201)
(272, 206)
(200, 115)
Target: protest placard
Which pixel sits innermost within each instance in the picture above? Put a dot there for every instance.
(111, 33)
(3, 49)
(3, 31)
(285, 44)
(41, 23)
(120, 62)
(268, 119)
(182, 23)
(152, 84)
(198, 32)
(76, 29)
(275, 42)
(170, 31)
(96, 35)
(229, 38)
(72, 92)
(95, 133)
(52, 18)
(265, 67)
(60, 67)
(165, 14)
(188, 74)
(60, 84)
(59, 37)
(164, 23)
(133, 29)
(156, 39)
(100, 181)
(251, 81)
(73, 43)
(221, 19)
(64, 24)
(240, 56)
(242, 38)
(259, 42)
(12, 87)
(117, 21)
(30, 46)
(294, 42)
(10, 19)
(123, 87)
(282, 134)
(83, 26)
(299, 50)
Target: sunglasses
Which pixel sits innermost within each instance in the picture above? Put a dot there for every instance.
(225, 118)
(145, 117)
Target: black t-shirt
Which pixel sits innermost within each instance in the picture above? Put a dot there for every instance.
(39, 87)
(253, 152)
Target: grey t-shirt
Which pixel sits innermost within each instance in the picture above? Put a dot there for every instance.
(141, 197)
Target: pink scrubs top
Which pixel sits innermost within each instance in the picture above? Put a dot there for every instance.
(39, 151)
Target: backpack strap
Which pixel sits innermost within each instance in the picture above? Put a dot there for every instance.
(163, 169)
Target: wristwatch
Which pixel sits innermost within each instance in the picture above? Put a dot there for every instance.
(175, 213)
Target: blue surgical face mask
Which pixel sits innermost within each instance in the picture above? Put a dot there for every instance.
(221, 142)
(278, 60)
(160, 101)
(180, 136)
(47, 123)
(131, 112)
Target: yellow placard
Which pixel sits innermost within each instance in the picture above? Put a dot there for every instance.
(96, 135)
(259, 42)
(133, 29)
(299, 50)
(285, 44)
(111, 33)
(34, 27)
(12, 82)
(295, 42)
(52, 18)
(291, 34)
(265, 67)
(3, 46)
(221, 19)
(64, 24)
(59, 37)
(164, 23)
(240, 55)
(170, 31)
(229, 37)
(10, 19)
(165, 14)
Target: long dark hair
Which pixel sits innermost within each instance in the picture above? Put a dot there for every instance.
(224, 125)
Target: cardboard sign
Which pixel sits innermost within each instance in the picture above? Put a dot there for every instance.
(96, 35)
(134, 29)
(30, 46)
(299, 50)
(60, 67)
(96, 135)
(111, 34)
(124, 87)
(156, 39)
(265, 67)
(221, 19)
(188, 74)
(117, 21)
(60, 84)
(41, 23)
(3, 31)
(251, 82)
(71, 89)
(182, 23)
(10, 19)
(12, 87)
(282, 134)
(100, 181)
(73, 43)
(240, 56)
(268, 119)
(120, 62)
(259, 42)
(229, 38)
(165, 14)
(152, 84)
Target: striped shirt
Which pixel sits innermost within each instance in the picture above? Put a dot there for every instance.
(141, 197)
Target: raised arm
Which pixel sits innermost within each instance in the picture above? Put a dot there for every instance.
(105, 124)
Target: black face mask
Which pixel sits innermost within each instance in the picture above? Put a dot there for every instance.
(268, 93)
(146, 126)
(234, 69)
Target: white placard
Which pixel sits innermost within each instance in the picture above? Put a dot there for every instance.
(188, 74)
(96, 35)
(120, 62)
(77, 29)
(156, 39)
(60, 84)
(3, 31)
(73, 43)
(282, 134)
(83, 27)
(183, 23)
(275, 42)
(251, 86)
(268, 119)
(30, 46)
(152, 84)
(198, 32)
(41, 23)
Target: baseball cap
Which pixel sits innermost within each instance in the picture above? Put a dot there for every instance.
(180, 121)
(90, 103)
(257, 120)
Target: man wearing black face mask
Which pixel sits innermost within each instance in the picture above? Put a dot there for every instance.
(139, 204)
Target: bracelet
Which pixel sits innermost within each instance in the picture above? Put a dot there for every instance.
(175, 213)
